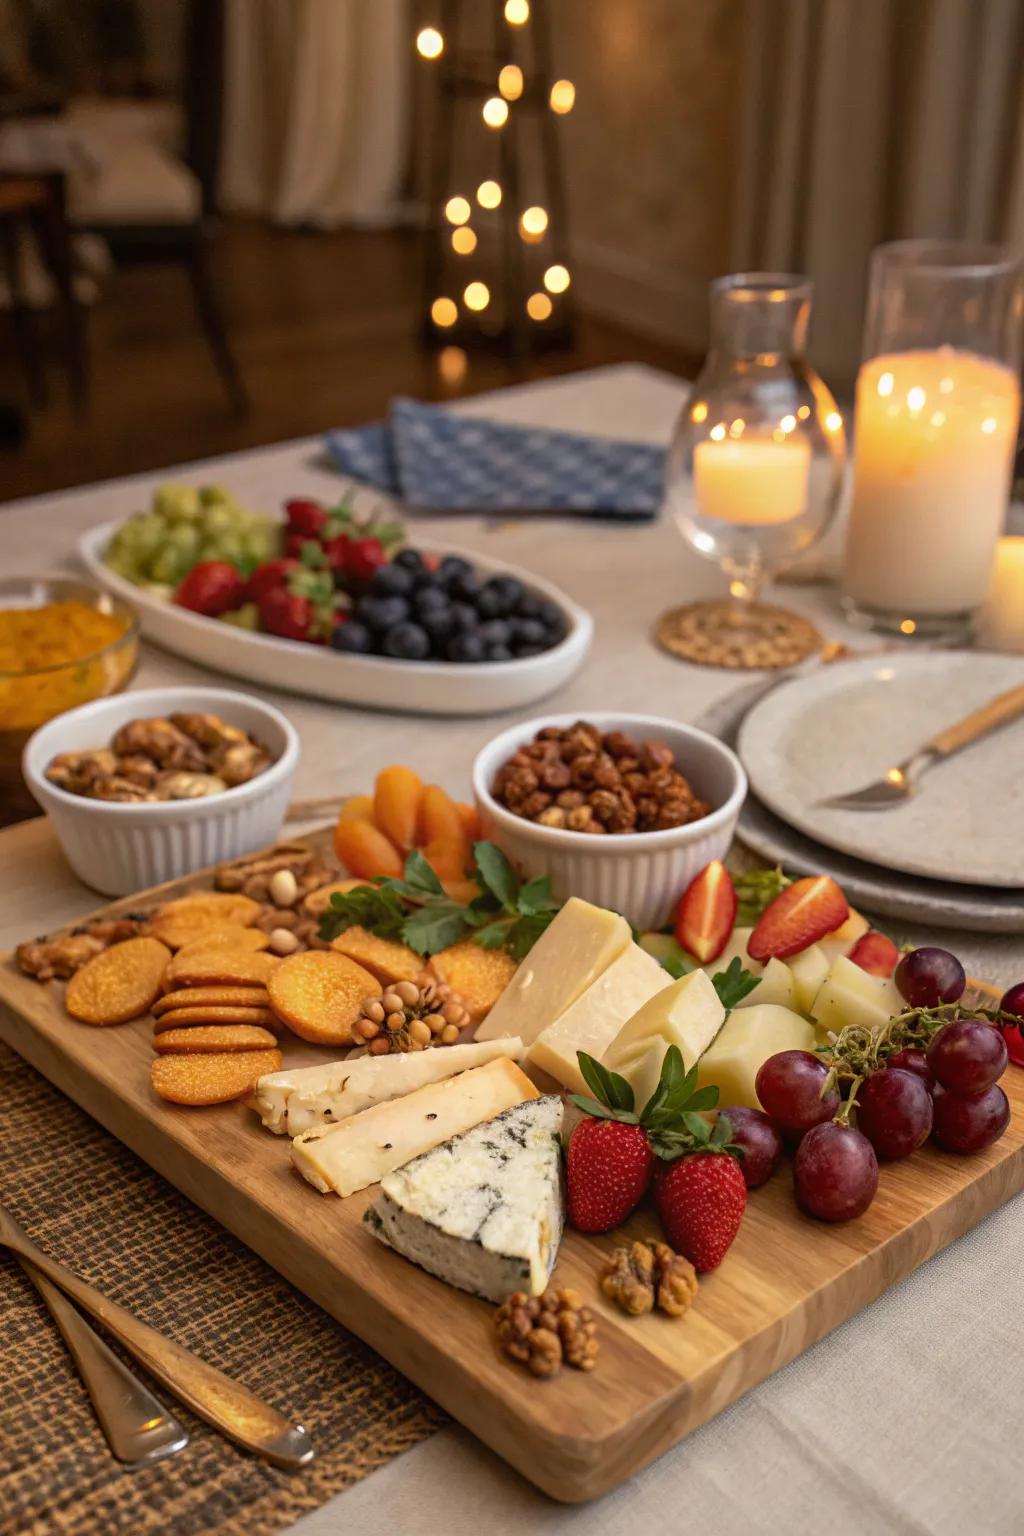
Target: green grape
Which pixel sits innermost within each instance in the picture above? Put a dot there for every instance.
(184, 537)
(216, 495)
(258, 544)
(246, 617)
(168, 565)
(176, 503)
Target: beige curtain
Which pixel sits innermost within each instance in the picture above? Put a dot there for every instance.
(872, 120)
(315, 110)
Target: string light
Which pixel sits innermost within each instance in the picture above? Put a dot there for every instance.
(539, 306)
(717, 432)
(532, 224)
(488, 194)
(457, 210)
(700, 411)
(517, 12)
(788, 423)
(833, 421)
(495, 112)
(510, 82)
(430, 43)
(452, 363)
(562, 97)
(477, 296)
(463, 241)
(444, 312)
(556, 278)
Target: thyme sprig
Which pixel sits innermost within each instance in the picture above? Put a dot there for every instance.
(858, 1050)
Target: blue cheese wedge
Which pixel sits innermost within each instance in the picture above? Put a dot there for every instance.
(298, 1100)
(483, 1211)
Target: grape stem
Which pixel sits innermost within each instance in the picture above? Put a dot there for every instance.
(858, 1050)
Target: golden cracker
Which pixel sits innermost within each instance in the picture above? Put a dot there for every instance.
(213, 1079)
(184, 1018)
(119, 983)
(213, 1037)
(215, 997)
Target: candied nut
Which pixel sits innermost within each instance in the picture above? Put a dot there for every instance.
(569, 799)
(620, 745)
(554, 816)
(554, 774)
(606, 774)
(672, 813)
(583, 769)
(549, 733)
(582, 819)
(655, 754)
(614, 809)
(534, 804)
(541, 1332)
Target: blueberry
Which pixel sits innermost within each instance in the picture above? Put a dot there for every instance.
(438, 624)
(392, 581)
(452, 566)
(464, 617)
(528, 606)
(498, 653)
(488, 603)
(352, 637)
(551, 616)
(495, 632)
(465, 648)
(527, 632)
(509, 589)
(409, 560)
(409, 642)
(380, 613)
(464, 585)
(530, 650)
(430, 600)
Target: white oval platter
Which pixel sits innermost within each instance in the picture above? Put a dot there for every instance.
(377, 682)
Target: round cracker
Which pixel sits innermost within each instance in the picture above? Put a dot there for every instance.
(214, 1037)
(319, 994)
(119, 983)
(213, 1079)
(184, 1018)
(211, 997)
(179, 922)
(221, 966)
(231, 937)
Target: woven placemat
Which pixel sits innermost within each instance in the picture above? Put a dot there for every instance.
(91, 1203)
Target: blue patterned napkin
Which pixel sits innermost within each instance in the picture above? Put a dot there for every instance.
(438, 461)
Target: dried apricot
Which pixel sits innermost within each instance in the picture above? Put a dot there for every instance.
(317, 902)
(213, 1037)
(119, 983)
(211, 997)
(366, 851)
(462, 891)
(396, 804)
(213, 1079)
(357, 808)
(386, 959)
(470, 819)
(448, 859)
(478, 975)
(438, 817)
(319, 994)
(179, 922)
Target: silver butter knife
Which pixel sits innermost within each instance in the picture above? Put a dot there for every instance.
(138, 1427)
(898, 784)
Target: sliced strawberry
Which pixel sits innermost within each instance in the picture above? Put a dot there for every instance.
(706, 913)
(801, 915)
(875, 953)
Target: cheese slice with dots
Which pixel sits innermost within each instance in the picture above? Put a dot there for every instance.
(297, 1100)
(596, 1017)
(687, 1013)
(363, 1148)
(483, 1211)
(571, 953)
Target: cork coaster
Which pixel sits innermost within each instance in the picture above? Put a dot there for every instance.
(721, 634)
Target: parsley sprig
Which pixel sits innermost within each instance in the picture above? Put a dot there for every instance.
(509, 913)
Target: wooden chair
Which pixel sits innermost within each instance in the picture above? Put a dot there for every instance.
(37, 202)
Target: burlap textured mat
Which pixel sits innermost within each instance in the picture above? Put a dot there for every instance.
(91, 1203)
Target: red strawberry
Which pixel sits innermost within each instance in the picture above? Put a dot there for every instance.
(212, 587)
(801, 915)
(365, 556)
(701, 1198)
(272, 573)
(337, 551)
(706, 913)
(286, 614)
(305, 517)
(608, 1169)
(875, 953)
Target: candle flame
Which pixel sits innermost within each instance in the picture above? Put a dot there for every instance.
(885, 384)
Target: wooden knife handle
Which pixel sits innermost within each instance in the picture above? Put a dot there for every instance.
(998, 711)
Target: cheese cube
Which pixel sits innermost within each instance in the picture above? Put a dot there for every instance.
(808, 970)
(569, 956)
(842, 940)
(849, 995)
(687, 1013)
(594, 1019)
(746, 1040)
(736, 949)
(363, 1148)
(776, 986)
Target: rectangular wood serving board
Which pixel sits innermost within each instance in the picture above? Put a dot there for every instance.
(784, 1284)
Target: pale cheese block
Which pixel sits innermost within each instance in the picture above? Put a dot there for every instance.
(849, 995)
(594, 1019)
(687, 1013)
(736, 949)
(746, 1040)
(843, 938)
(363, 1148)
(808, 970)
(297, 1100)
(569, 956)
(776, 986)
(483, 1211)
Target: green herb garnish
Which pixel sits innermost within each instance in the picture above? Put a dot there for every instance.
(734, 983)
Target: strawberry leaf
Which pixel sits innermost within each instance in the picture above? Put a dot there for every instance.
(607, 1087)
(697, 1127)
(601, 1111)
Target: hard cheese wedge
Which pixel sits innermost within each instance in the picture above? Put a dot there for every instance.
(305, 1097)
(849, 995)
(363, 1148)
(776, 986)
(568, 957)
(594, 1019)
(687, 1013)
(484, 1210)
(747, 1038)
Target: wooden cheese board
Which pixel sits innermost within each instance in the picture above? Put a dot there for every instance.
(786, 1281)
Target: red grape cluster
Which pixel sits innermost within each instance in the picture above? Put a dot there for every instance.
(933, 1072)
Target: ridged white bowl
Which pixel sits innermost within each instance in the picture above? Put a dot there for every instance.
(640, 874)
(118, 848)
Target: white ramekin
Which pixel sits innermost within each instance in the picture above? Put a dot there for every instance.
(640, 874)
(117, 848)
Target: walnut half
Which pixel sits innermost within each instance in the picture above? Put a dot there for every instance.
(542, 1332)
(644, 1275)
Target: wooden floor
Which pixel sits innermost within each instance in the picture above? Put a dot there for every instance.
(324, 329)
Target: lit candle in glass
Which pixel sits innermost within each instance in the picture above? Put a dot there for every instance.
(751, 480)
(1001, 623)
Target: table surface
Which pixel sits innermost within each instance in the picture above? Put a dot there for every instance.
(901, 1421)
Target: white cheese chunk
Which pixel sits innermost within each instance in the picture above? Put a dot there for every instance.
(363, 1148)
(305, 1097)
(687, 1013)
(747, 1038)
(808, 970)
(482, 1211)
(843, 938)
(849, 995)
(594, 1019)
(775, 986)
(569, 956)
(736, 949)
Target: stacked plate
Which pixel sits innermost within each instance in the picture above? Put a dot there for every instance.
(953, 853)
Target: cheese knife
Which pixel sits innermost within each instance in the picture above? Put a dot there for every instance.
(229, 1407)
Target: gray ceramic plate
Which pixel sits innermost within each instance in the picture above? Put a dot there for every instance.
(841, 727)
(889, 894)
